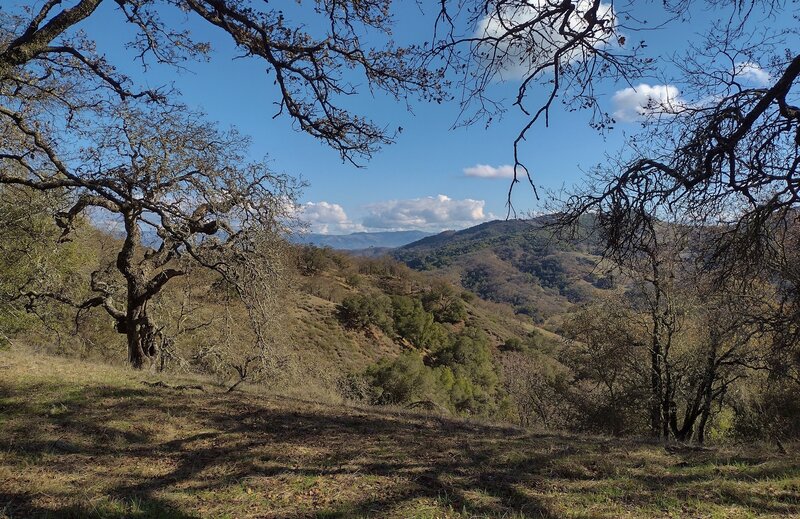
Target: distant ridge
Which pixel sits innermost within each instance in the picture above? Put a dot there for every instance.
(362, 240)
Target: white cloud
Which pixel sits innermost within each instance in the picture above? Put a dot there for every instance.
(429, 213)
(633, 103)
(327, 218)
(536, 43)
(751, 72)
(487, 171)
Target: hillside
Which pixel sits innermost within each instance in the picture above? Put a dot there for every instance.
(336, 276)
(517, 262)
(86, 440)
(356, 317)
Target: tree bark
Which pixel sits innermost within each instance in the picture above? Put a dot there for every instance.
(139, 330)
(708, 389)
(655, 386)
(141, 334)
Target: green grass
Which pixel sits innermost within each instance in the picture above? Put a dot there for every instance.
(87, 440)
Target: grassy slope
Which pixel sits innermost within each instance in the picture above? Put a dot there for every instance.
(85, 440)
(322, 338)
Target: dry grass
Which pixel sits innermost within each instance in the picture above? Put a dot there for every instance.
(83, 440)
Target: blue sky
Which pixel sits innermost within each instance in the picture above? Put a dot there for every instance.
(420, 181)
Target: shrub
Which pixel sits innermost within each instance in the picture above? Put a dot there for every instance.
(513, 344)
(475, 388)
(459, 376)
(405, 380)
(360, 312)
(538, 387)
(414, 324)
(444, 303)
(312, 260)
(353, 279)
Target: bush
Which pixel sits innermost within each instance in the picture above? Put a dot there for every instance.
(475, 386)
(772, 412)
(414, 324)
(360, 312)
(513, 344)
(538, 387)
(459, 376)
(444, 303)
(312, 260)
(406, 380)
(353, 280)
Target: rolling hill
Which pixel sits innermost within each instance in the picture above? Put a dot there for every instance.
(516, 262)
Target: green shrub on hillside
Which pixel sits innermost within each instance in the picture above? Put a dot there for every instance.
(514, 344)
(533, 341)
(414, 324)
(475, 388)
(312, 260)
(406, 380)
(361, 311)
(459, 376)
(444, 303)
(353, 279)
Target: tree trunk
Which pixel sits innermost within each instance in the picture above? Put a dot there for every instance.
(701, 427)
(667, 400)
(656, 387)
(708, 389)
(141, 334)
(684, 432)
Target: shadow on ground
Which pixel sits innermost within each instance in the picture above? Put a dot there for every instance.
(130, 452)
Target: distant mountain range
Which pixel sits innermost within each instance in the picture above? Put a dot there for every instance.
(361, 240)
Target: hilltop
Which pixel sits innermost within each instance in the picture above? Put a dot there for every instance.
(88, 440)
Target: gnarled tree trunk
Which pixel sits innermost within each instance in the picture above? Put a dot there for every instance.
(142, 337)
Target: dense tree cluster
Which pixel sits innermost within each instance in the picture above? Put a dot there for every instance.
(459, 375)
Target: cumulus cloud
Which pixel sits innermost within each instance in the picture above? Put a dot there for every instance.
(536, 43)
(429, 213)
(327, 218)
(487, 171)
(632, 103)
(752, 73)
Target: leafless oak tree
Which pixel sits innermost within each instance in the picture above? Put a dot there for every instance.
(183, 190)
(562, 51)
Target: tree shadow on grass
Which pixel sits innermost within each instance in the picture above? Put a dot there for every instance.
(248, 456)
(19, 506)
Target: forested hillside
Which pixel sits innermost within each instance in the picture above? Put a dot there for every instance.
(523, 263)
(171, 347)
(666, 337)
(334, 327)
